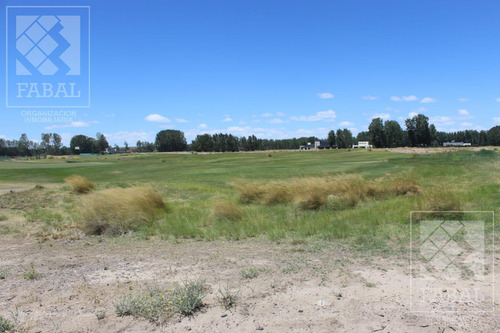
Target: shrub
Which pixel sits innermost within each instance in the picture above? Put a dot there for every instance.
(119, 210)
(31, 273)
(187, 298)
(151, 304)
(6, 325)
(80, 184)
(3, 218)
(227, 299)
(249, 273)
(100, 315)
(227, 210)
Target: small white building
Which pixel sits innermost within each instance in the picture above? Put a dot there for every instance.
(317, 145)
(456, 144)
(363, 144)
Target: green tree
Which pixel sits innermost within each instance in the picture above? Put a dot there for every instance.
(82, 144)
(170, 140)
(331, 138)
(344, 138)
(393, 134)
(376, 130)
(493, 136)
(418, 130)
(56, 143)
(102, 143)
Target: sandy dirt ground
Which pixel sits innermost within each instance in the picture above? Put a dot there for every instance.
(315, 287)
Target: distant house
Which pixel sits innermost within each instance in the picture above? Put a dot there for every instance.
(318, 144)
(363, 144)
(456, 144)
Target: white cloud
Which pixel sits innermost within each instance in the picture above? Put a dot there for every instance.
(328, 115)
(280, 114)
(383, 116)
(242, 122)
(325, 95)
(3, 137)
(428, 100)
(256, 121)
(73, 124)
(180, 120)
(498, 100)
(202, 126)
(369, 98)
(412, 114)
(496, 120)
(266, 115)
(411, 98)
(131, 137)
(156, 118)
(227, 119)
(467, 124)
(346, 124)
(442, 121)
(463, 99)
(276, 121)
(463, 112)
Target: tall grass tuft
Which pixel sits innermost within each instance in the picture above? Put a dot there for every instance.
(119, 210)
(227, 210)
(341, 191)
(249, 192)
(79, 184)
(441, 200)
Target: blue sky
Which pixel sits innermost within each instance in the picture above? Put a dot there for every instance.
(279, 69)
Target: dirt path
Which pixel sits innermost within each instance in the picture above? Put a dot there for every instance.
(299, 288)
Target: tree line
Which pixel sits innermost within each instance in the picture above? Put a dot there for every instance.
(381, 134)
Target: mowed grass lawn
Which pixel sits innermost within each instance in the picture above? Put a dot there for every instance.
(194, 185)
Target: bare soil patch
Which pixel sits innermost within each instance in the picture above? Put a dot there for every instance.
(312, 287)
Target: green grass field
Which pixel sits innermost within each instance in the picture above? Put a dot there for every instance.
(191, 184)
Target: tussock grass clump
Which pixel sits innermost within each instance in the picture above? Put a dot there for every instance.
(277, 193)
(119, 210)
(249, 192)
(227, 210)
(32, 273)
(442, 200)
(80, 184)
(339, 192)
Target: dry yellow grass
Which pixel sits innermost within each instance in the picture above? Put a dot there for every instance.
(79, 184)
(227, 210)
(315, 192)
(118, 210)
